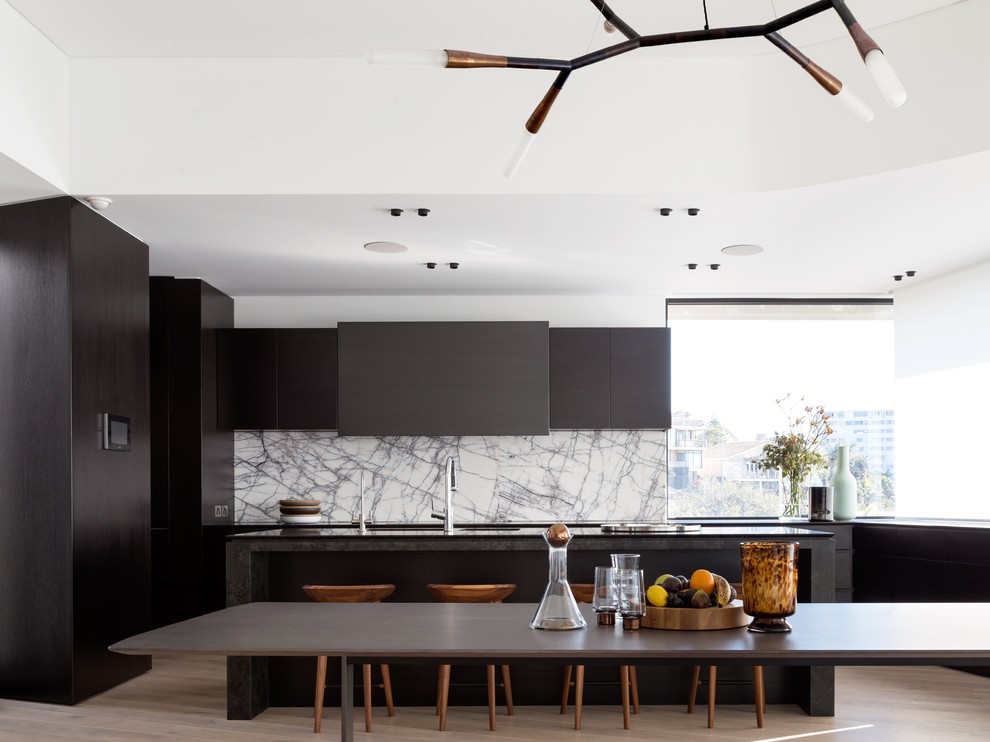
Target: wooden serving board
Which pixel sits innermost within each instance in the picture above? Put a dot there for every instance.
(696, 619)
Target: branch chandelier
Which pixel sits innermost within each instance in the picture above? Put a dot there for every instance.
(871, 53)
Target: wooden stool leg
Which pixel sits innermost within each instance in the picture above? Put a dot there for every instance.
(490, 671)
(387, 685)
(761, 699)
(693, 692)
(507, 686)
(711, 696)
(578, 695)
(634, 687)
(444, 690)
(624, 682)
(321, 684)
(366, 681)
(567, 689)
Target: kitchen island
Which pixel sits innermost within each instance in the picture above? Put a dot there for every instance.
(273, 565)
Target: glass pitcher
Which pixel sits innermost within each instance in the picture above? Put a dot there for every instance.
(558, 610)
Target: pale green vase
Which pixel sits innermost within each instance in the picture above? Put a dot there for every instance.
(843, 485)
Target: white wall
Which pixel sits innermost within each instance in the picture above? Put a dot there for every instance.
(942, 366)
(559, 311)
(34, 99)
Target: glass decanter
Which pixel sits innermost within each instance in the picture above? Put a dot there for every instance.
(558, 610)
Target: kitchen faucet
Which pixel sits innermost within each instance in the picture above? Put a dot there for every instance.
(449, 488)
(362, 526)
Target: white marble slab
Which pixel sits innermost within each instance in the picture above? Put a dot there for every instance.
(573, 475)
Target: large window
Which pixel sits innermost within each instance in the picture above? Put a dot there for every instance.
(733, 361)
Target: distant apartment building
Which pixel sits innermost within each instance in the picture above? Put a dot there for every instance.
(686, 446)
(869, 433)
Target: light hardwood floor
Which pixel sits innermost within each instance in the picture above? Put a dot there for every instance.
(183, 698)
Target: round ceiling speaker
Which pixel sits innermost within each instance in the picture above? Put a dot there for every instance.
(739, 250)
(385, 247)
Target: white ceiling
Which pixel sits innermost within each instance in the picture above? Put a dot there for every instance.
(844, 237)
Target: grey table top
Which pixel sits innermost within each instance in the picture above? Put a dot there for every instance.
(824, 633)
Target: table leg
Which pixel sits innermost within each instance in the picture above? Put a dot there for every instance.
(346, 701)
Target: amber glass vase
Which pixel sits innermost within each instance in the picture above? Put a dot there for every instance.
(769, 583)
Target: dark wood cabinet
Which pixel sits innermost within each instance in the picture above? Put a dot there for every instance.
(443, 378)
(610, 378)
(248, 378)
(307, 379)
(640, 377)
(277, 379)
(74, 518)
(579, 378)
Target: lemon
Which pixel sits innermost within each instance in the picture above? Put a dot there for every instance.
(656, 595)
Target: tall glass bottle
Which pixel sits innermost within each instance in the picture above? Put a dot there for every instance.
(843, 485)
(558, 610)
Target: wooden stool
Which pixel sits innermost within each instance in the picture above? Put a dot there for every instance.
(758, 690)
(349, 594)
(761, 703)
(627, 674)
(472, 594)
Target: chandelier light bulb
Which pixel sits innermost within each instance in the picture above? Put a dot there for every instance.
(521, 149)
(409, 57)
(885, 78)
(855, 104)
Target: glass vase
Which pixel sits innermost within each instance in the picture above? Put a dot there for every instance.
(795, 498)
(769, 584)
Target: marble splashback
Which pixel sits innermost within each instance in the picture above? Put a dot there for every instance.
(571, 475)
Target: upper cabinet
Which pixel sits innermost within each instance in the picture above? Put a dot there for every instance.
(610, 378)
(443, 378)
(277, 379)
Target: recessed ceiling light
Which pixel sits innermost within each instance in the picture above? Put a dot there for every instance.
(387, 247)
(738, 250)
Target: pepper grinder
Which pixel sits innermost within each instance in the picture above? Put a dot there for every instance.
(558, 610)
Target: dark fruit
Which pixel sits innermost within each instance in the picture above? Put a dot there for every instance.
(669, 583)
(685, 596)
(700, 599)
(684, 582)
(673, 601)
(713, 599)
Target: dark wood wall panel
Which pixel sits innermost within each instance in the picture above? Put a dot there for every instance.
(111, 490)
(194, 458)
(443, 378)
(579, 378)
(35, 450)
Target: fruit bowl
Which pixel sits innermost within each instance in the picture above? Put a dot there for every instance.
(730, 616)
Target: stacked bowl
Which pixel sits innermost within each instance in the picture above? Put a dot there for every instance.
(299, 511)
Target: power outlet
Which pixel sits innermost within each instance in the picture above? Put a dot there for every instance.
(218, 511)
(224, 511)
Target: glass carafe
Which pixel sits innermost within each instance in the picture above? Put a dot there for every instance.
(558, 610)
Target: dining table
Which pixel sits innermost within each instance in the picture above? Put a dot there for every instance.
(824, 634)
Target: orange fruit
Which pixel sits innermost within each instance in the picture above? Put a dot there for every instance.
(702, 579)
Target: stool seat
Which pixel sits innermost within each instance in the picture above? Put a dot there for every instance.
(349, 594)
(472, 594)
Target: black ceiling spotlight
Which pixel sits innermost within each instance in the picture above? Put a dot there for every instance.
(910, 274)
(694, 211)
(395, 212)
(692, 266)
(666, 211)
(898, 277)
(423, 212)
(431, 266)
(454, 266)
(714, 266)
